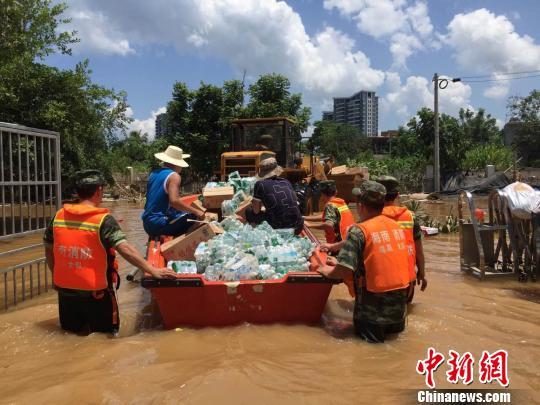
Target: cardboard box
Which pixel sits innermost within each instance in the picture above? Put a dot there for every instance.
(211, 216)
(213, 197)
(183, 247)
(339, 169)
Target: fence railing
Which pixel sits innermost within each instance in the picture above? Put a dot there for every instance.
(24, 281)
(30, 179)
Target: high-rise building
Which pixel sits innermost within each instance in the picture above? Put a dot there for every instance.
(328, 116)
(360, 110)
(161, 125)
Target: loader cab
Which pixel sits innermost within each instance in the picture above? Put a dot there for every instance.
(256, 139)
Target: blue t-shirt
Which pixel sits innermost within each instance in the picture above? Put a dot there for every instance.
(280, 201)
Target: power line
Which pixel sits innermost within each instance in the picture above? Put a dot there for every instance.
(501, 74)
(499, 79)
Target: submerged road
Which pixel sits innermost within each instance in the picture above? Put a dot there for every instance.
(270, 364)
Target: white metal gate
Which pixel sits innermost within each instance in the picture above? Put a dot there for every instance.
(30, 195)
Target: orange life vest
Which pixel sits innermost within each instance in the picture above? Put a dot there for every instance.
(385, 255)
(80, 259)
(405, 219)
(345, 222)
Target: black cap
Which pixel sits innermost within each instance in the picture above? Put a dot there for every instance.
(90, 177)
(389, 182)
(327, 186)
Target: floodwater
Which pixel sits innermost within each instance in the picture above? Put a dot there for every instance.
(270, 364)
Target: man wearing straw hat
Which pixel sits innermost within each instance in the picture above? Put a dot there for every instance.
(164, 212)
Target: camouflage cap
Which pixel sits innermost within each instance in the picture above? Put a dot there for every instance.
(390, 183)
(370, 192)
(89, 177)
(327, 186)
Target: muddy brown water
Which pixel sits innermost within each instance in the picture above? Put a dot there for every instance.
(269, 364)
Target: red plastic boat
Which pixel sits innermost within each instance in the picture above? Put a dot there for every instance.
(190, 299)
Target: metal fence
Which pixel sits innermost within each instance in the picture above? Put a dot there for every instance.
(24, 281)
(30, 194)
(30, 187)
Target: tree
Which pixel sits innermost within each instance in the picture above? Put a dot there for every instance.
(526, 110)
(30, 30)
(417, 140)
(88, 116)
(270, 96)
(339, 140)
(198, 121)
(479, 127)
(133, 151)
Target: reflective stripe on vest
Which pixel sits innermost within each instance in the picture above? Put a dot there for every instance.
(346, 220)
(385, 255)
(405, 219)
(80, 259)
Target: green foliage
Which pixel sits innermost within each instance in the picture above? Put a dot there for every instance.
(30, 30)
(88, 116)
(491, 154)
(527, 111)
(199, 120)
(479, 127)
(270, 96)
(456, 135)
(408, 170)
(329, 139)
(132, 151)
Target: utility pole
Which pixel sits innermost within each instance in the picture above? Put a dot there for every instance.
(436, 166)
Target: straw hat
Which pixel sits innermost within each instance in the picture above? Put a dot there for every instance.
(173, 155)
(269, 168)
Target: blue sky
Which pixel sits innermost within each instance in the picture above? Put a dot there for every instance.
(327, 48)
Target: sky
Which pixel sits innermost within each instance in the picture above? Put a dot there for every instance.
(327, 48)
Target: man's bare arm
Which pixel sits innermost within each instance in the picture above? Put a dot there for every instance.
(256, 205)
(323, 226)
(173, 188)
(131, 254)
(336, 272)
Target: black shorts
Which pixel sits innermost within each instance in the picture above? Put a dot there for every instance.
(85, 312)
(375, 333)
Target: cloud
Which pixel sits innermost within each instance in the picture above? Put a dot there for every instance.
(97, 34)
(404, 100)
(261, 36)
(406, 27)
(483, 42)
(147, 126)
(499, 90)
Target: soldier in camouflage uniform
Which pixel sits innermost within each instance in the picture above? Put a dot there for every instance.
(376, 313)
(331, 216)
(88, 310)
(403, 216)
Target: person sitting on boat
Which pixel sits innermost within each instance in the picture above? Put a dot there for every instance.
(277, 196)
(336, 217)
(375, 254)
(164, 212)
(413, 233)
(80, 248)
